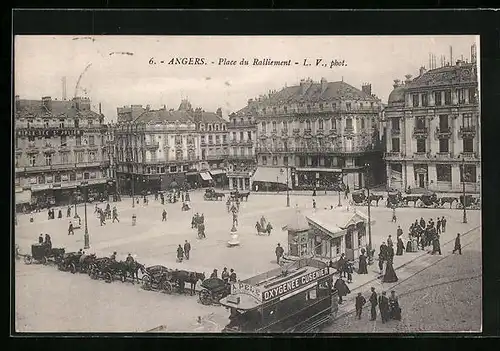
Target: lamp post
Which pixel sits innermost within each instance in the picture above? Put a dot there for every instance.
(132, 181)
(370, 256)
(463, 191)
(75, 197)
(86, 238)
(287, 186)
(342, 181)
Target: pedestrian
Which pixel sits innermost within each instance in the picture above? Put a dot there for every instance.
(394, 309)
(279, 253)
(70, 229)
(422, 222)
(113, 256)
(360, 302)
(115, 215)
(102, 218)
(180, 253)
(59, 215)
(232, 276)
(443, 224)
(390, 274)
(164, 217)
(394, 218)
(187, 249)
(134, 219)
(214, 274)
(382, 256)
(40, 239)
(201, 231)
(399, 232)
(389, 241)
(400, 247)
(438, 225)
(458, 246)
(68, 212)
(349, 270)
(314, 203)
(225, 275)
(342, 289)
(341, 265)
(373, 302)
(346, 192)
(383, 305)
(363, 266)
(389, 253)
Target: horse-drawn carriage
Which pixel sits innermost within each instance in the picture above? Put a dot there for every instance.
(43, 253)
(239, 195)
(471, 202)
(107, 269)
(411, 198)
(70, 262)
(163, 279)
(213, 290)
(429, 200)
(394, 199)
(359, 198)
(212, 195)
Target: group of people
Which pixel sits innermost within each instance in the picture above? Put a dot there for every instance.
(47, 241)
(198, 222)
(227, 277)
(106, 214)
(423, 234)
(183, 252)
(388, 306)
(386, 260)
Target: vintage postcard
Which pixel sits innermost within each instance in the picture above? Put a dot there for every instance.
(247, 184)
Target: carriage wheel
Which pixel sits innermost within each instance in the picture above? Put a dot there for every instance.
(72, 268)
(94, 274)
(205, 297)
(28, 259)
(146, 282)
(166, 287)
(89, 270)
(108, 277)
(44, 260)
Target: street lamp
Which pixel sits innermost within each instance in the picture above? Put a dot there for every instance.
(86, 240)
(75, 197)
(339, 188)
(132, 181)
(463, 191)
(370, 255)
(287, 191)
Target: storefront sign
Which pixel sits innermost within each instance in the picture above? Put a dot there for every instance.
(242, 288)
(293, 284)
(49, 132)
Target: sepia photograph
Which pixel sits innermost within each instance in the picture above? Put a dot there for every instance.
(247, 184)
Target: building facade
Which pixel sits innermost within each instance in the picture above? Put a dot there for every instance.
(433, 130)
(321, 133)
(242, 131)
(58, 145)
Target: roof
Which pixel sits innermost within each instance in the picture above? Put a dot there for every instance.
(210, 117)
(397, 95)
(447, 75)
(159, 116)
(59, 108)
(310, 91)
(298, 222)
(335, 222)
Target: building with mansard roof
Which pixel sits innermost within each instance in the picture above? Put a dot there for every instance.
(322, 132)
(58, 145)
(433, 129)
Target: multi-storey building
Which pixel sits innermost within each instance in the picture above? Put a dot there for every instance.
(156, 150)
(111, 150)
(58, 145)
(433, 130)
(322, 132)
(242, 131)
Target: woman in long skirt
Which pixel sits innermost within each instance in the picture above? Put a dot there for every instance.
(363, 269)
(390, 275)
(394, 309)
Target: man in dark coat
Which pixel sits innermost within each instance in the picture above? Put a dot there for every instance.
(115, 215)
(187, 248)
(443, 224)
(180, 253)
(341, 265)
(400, 247)
(382, 257)
(70, 229)
(399, 232)
(373, 302)
(68, 212)
(225, 275)
(458, 245)
(389, 241)
(342, 288)
(279, 253)
(438, 225)
(363, 267)
(59, 215)
(164, 217)
(232, 276)
(383, 305)
(422, 222)
(214, 274)
(360, 302)
(40, 239)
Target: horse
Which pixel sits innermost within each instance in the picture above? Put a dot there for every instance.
(182, 277)
(411, 198)
(133, 268)
(447, 199)
(375, 198)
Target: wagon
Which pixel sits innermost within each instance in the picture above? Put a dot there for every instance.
(471, 202)
(212, 195)
(107, 269)
(394, 200)
(70, 262)
(429, 200)
(214, 289)
(359, 198)
(41, 253)
(158, 278)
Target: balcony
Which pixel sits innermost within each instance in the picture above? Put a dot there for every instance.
(203, 143)
(443, 155)
(238, 125)
(241, 157)
(421, 156)
(395, 132)
(442, 133)
(152, 145)
(469, 156)
(348, 130)
(284, 133)
(393, 155)
(49, 148)
(296, 132)
(467, 132)
(420, 132)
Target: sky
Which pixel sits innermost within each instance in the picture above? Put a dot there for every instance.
(116, 70)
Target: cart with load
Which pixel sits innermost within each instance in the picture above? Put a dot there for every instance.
(213, 289)
(157, 278)
(359, 198)
(43, 253)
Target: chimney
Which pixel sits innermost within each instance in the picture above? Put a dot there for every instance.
(459, 63)
(422, 70)
(100, 112)
(198, 113)
(396, 83)
(473, 53)
(367, 89)
(47, 102)
(305, 85)
(451, 55)
(324, 85)
(408, 79)
(219, 112)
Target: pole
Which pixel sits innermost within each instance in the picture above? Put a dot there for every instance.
(86, 235)
(463, 190)
(342, 178)
(287, 191)
(133, 201)
(370, 256)
(76, 200)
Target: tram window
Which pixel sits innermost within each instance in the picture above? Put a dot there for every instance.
(311, 294)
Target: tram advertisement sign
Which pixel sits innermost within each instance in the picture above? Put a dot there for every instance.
(242, 288)
(294, 284)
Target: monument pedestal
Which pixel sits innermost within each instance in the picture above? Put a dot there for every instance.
(234, 238)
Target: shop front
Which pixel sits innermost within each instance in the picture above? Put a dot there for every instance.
(271, 179)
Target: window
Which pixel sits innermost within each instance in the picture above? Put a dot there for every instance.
(443, 173)
(334, 106)
(447, 97)
(162, 170)
(415, 100)
(41, 179)
(285, 109)
(420, 123)
(217, 139)
(468, 144)
(362, 123)
(249, 135)
(348, 123)
(467, 120)
(320, 123)
(77, 123)
(395, 144)
(360, 105)
(334, 123)
(216, 127)
(210, 139)
(90, 122)
(64, 157)
(443, 122)
(425, 102)
(72, 176)
(173, 169)
(57, 178)
(461, 96)
(202, 127)
(321, 107)
(264, 110)
(472, 96)
(264, 160)
(348, 106)
(308, 108)
(395, 123)
(61, 123)
(242, 136)
(209, 127)
(470, 173)
(444, 145)
(91, 140)
(48, 159)
(91, 156)
(86, 175)
(437, 98)
(78, 140)
(78, 156)
(234, 136)
(32, 160)
(224, 138)
(285, 160)
(234, 121)
(17, 160)
(275, 160)
(308, 125)
(274, 126)
(421, 145)
(263, 127)
(311, 294)
(371, 104)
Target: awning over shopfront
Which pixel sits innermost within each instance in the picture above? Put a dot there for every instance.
(337, 170)
(217, 172)
(272, 175)
(205, 176)
(22, 196)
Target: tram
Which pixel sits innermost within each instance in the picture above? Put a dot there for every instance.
(297, 298)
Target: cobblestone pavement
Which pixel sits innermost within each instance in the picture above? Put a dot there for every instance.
(155, 242)
(436, 294)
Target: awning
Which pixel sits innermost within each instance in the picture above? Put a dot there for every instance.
(205, 176)
(217, 172)
(319, 170)
(22, 196)
(272, 175)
